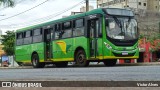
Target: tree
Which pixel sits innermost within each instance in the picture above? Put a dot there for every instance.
(9, 42)
(8, 3)
(154, 40)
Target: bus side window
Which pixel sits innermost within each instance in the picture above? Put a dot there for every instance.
(19, 38)
(37, 35)
(27, 37)
(19, 35)
(66, 31)
(57, 29)
(78, 27)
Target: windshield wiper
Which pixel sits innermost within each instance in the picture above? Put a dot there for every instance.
(119, 24)
(117, 21)
(129, 22)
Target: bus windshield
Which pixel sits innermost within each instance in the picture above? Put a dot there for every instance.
(122, 28)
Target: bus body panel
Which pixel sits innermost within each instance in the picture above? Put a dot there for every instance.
(39, 49)
(23, 53)
(81, 42)
(63, 50)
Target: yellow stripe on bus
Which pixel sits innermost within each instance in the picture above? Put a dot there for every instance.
(63, 59)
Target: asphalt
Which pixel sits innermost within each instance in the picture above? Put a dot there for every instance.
(94, 65)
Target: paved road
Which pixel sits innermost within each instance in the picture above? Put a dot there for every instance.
(118, 73)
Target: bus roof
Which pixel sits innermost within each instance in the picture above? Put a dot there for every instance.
(95, 11)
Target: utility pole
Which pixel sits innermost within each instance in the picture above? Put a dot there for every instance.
(137, 4)
(126, 2)
(87, 5)
(97, 3)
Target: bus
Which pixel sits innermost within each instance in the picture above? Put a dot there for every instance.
(101, 35)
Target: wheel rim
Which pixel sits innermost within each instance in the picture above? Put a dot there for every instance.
(81, 58)
(34, 61)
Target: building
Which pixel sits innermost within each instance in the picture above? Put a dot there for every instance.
(83, 8)
(75, 13)
(152, 5)
(111, 3)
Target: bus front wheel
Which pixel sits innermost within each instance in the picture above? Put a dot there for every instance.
(36, 63)
(110, 62)
(80, 59)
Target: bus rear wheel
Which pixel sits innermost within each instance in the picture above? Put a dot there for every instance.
(80, 59)
(111, 62)
(61, 64)
(36, 63)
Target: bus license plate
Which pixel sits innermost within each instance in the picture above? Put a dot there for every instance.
(124, 53)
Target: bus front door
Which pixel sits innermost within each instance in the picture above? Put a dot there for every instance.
(48, 44)
(93, 27)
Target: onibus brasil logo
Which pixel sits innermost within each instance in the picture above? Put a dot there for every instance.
(19, 84)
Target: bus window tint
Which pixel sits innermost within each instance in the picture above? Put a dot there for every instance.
(28, 34)
(66, 25)
(27, 37)
(66, 34)
(19, 40)
(19, 35)
(78, 27)
(37, 32)
(66, 30)
(56, 35)
(37, 35)
(57, 29)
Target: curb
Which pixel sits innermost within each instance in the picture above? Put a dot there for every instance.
(93, 65)
(20, 67)
(140, 64)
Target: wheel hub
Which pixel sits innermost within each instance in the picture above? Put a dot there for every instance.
(81, 58)
(34, 61)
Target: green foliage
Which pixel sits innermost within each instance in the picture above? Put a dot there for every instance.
(141, 36)
(152, 39)
(8, 41)
(157, 46)
(158, 36)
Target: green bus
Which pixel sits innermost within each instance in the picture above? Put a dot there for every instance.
(100, 35)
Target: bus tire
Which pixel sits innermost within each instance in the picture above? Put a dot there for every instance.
(36, 63)
(61, 64)
(80, 59)
(111, 62)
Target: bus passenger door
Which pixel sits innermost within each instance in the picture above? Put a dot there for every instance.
(93, 27)
(48, 43)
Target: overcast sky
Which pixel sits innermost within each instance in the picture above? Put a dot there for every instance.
(51, 7)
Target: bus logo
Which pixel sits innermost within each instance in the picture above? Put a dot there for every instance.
(6, 84)
(63, 46)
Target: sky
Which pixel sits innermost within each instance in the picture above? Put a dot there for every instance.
(47, 11)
